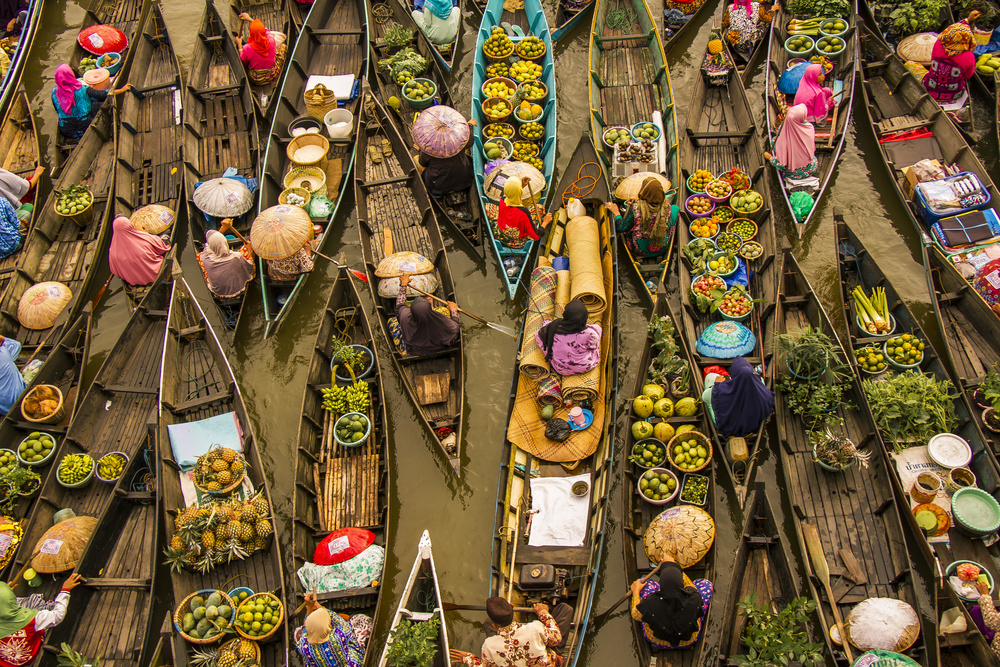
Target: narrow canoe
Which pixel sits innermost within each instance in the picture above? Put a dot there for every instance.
(722, 135)
(747, 59)
(853, 510)
(220, 133)
(421, 601)
(395, 215)
(564, 20)
(673, 30)
(274, 14)
(18, 59)
(530, 20)
(299, 11)
(333, 41)
(197, 383)
(444, 54)
(19, 154)
(831, 133)
(856, 267)
(327, 476)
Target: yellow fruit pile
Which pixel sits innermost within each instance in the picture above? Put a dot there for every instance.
(498, 130)
(532, 131)
(525, 70)
(530, 47)
(497, 69)
(498, 44)
(529, 111)
(497, 89)
(496, 108)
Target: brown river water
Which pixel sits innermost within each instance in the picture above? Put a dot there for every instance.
(458, 512)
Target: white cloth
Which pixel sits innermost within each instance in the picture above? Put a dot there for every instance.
(562, 517)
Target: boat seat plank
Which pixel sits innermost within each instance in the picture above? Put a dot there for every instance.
(578, 556)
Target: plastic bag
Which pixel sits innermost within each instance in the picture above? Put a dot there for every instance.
(802, 203)
(575, 208)
(557, 429)
(320, 207)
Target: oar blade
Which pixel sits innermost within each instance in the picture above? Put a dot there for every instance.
(502, 329)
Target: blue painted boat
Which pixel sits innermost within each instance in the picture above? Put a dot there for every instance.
(565, 19)
(530, 21)
(20, 55)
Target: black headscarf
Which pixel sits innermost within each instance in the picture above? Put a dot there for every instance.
(574, 320)
(425, 331)
(741, 403)
(672, 613)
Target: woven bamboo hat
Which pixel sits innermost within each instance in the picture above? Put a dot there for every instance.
(441, 131)
(280, 231)
(628, 189)
(917, 47)
(399, 263)
(153, 218)
(883, 623)
(223, 198)
(493, 187)
(685, 532)
(389, 287)
(41, 304)
(59, 549)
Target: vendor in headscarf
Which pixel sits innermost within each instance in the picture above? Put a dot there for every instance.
(13, 188)
(327, 640)
(986, 617)
(952, 61)
(12, 384)
(425, 331)
(534, 644)
(795, 148)
(739, 404)
(77, 103)
(515, 221)
(11, 231)
(13, 16)
(571, 345)
(744, 23)
(817, 99)
(22, 628)
(648, 221)
(444, 175)
(227, 273)
(672, 611)
(438, 19)
(264, 53)
(135, 255)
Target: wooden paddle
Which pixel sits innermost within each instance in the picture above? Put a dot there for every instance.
(302, 606)
(491, 325)
(451, 606)
(600, 618)
(822, 570)
(357, 274)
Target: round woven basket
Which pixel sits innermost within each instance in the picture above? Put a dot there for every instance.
(302, 192)
(277, 624)
(292, 151)
(688, 435)
(235, 484)
(53, 418)
(314, 176)
(256, 648)
(185, 606)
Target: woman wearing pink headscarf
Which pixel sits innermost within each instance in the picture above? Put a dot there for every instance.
(952, 61)
(135, 255)
(817, 99)
(77, 103)
(795, 148)
(744, 23)
(226, 272)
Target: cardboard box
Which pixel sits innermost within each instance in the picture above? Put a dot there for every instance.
(912, 179)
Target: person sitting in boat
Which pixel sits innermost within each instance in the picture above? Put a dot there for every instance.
(571, 345)
(264, 53)
(438, 19)
(745, 22)
(423, 331)
(795, 148)
(532, 644)
(135, 255)
(327, 640)
(952, 61)
(13, 188)
(672, 610)
(23, 622)
(13, 17)
(77, 103)
(515, 221)
(291, 267)
(11, 381)
(227, 273)
(12, 230)
(740, 404)
(986, 280)
(444, 175)
(987, 617)
(648, 221)
(817, 99)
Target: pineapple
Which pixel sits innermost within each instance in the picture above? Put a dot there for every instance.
(228, 455)
(234, 529)
(175, 558)
(213, 486)
(176, 543)
(246, 532)
(233, 550)
(263, 528)
(208, 539)
(237, 467)
(218, 465)
(715, 46)
(259, 503)
(259, 543)
(224, 477)
(206, 656)
(246, 650)
(224, 513)
(227, 659)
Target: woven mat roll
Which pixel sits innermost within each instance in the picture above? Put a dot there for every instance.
(583, 242)
(549, 391)
(541, 301)
(589, 385)
(562, 291)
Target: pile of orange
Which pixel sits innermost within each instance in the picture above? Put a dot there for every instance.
(705, 228)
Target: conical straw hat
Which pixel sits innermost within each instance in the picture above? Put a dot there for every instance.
(685, 532)
(440, 131)
(153, 218)
(389, 287)
(41, 304)
(493, 187)
(628, 189)
(59, 549)
(917, 47)
(399, 263)
(882, 623)
(223, 198)
(280, 231)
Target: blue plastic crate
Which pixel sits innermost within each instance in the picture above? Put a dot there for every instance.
(930, 217)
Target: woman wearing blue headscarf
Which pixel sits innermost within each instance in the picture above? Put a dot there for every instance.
(11, 382)
(740, 404)
(438, 19)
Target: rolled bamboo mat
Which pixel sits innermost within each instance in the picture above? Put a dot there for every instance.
(583, 242)
(549, 391)
(590, 385)
(562, 291)
(544, 261)
(541, 302)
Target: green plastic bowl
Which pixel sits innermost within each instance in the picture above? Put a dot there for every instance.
(976, 512)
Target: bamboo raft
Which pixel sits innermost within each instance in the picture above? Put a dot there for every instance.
(220, 132)
(196, 383)
(338, 487)
(275, 15)
(395, 215)
(334, 40)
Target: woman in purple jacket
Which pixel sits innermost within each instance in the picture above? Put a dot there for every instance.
(571, 345)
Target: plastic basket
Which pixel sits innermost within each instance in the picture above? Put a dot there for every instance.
(422, 103)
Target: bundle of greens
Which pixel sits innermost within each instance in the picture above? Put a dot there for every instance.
(405, 60)
(911, 407)
(907, 17)
(396, 36)
(804, 9)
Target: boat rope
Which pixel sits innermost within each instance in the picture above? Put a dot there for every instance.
(577, 191)
(620, 18)
(381, 12)
(187, 361)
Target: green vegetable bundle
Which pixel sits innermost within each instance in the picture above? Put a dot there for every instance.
(909, 408)
(872, 311)
(406, 60)
(397, 36)
(804, 9)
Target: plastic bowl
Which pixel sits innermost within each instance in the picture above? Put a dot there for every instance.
(687, 206)
(506, 143)
(695, 240)
(83, 482)
(696, 236)
(727, 239)
(652, 464)
(697, 278)
(638, 126)
(539, 119)
(421, 103)
(800, 54)
(356, 443)
(13, 455)
(737, 318)
(719, 200)
(684, 483)
(42, 462)
(867, 334)
(743, 222)
(499, 79)
(953, 567)
(902, 367)
(727, 273)
(109, 454)
(604, 134)
(235, 593)
(976, 512)
(833, 40)
(826, 30)
(658, 471)
(692, 188)
(872, 348)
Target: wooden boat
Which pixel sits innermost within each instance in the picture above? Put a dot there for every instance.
(421, 601)
(220, 133)
(568, 573)
(530, 20)
(639, 513)
(275, 15)
(197, 383)
(721, 135)
(856, 267)
(334, 40)
(299, 12)
(831, 133)
(444, 54)
(463, 214)
(854, 510)
(673, 31)
(395, 215)
(747, 60)
(19, 56)
(338, 487)
(149, 169)
(19, 154)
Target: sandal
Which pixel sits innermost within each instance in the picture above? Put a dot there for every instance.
(374, 155)
(386, 147)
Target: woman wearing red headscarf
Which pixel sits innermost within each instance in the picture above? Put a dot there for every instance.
(952, 61)
(264, 53)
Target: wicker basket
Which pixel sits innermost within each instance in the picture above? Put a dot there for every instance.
(319, 100)
(80, 218)
(277, 624)
(236, 641)
(306, 140)
(315, 176)
(688, 435)
(302, 192)
(185, 606)
(235, 484)
(53, 418)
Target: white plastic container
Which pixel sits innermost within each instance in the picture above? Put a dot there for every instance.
(339, 123)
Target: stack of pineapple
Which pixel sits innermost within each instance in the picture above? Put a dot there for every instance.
(218, 469)
(219, 533)
(236, 653)
(716, 65)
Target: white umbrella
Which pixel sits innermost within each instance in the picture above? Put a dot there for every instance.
(223, 198)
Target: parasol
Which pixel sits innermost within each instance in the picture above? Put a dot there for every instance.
(101, 39)
(685, 532)
(882, 623)
(399, 263)
(59, 549)
(493, 187)
(389, 287)
(342, 545)
(41, 304)
(725, 340)
(917, 47)
(153, 218)
(441, 132)
(280, 231)
(223, 198)
(628, 189)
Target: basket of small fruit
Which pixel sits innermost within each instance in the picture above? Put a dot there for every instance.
(657, 486)
(904, 352)
(505, 130)
(648, 453)
(111, 466)
(498, 148)
(723, 213)
(704, 228)
(295, 196)
(694, 489)
(36, 450)
(532, 131)
(616, 134)
(535, 91)
(525, 149)
(831, 47)
(238, 652)
(530, 48)
(736, 304)
(718, 190)
(527, 112)
(745, 229)
(645, 130)
(704, 286)
(799, 46)
(76, 203)
(204, 616)
(723, 264)
(833, 27)
(499, 86)
(729, 242)
(871, 360)
(219, 471)
(352, 429)
(689, 451)
(271, 613)
(736, 178)
(699, 180)
(751, 250)
(496, 108)
(498, 47)
(110, 61)
(699, 206)
(525, 70)
(240, 593)
(746, 202)
(75, 471)
(497, 69)
(8, 460)
(419, 93)
(44, 404)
